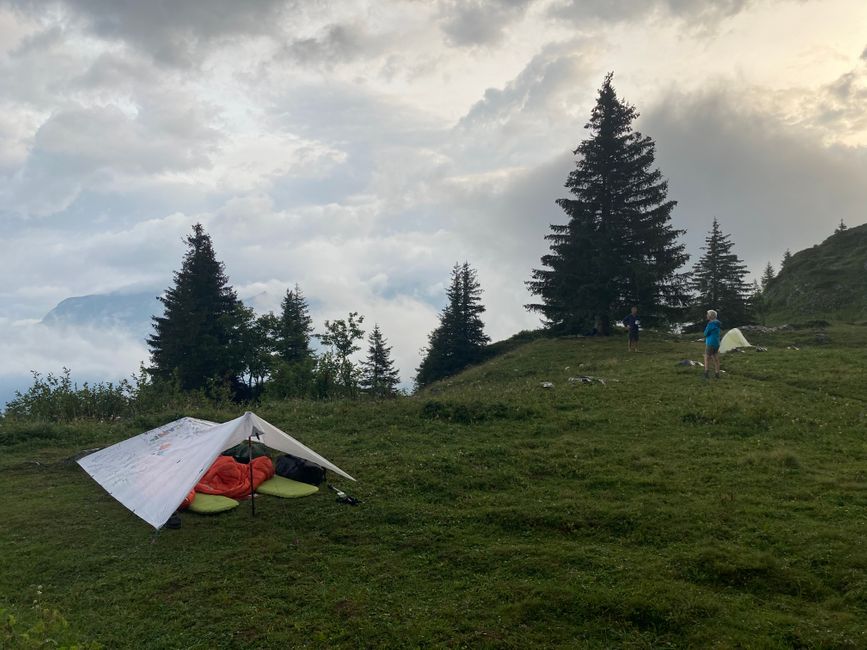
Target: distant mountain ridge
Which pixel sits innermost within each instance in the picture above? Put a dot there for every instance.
(827, 281)
(129, 311)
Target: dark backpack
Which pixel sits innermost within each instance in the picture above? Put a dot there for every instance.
(241, 451)
(299, 469)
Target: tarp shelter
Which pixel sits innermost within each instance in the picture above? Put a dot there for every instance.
(733, 339)
(151, 473)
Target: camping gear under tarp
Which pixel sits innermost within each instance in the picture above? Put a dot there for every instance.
(733, 340)
(210, 504)
(241, 451)
(298, 469)
(229, 478)
(286, 488)
(153, 472)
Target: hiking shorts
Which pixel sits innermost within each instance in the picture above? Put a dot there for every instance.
(711, 350)
(633, 336)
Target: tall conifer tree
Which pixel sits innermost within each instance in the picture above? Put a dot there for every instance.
(199, 338)
(379, 377)
(767, 275)
(294, 328)
(459, 340)
(294, 362)
(719, 281)
(618, 247)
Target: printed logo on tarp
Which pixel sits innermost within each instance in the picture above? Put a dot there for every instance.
(157, 437)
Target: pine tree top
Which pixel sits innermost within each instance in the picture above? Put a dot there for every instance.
(618, 248)
(379, 377)
(719, 279)
(197, 337)
(459, 338)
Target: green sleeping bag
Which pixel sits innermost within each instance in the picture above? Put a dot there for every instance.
(286, 488)
(208, 504)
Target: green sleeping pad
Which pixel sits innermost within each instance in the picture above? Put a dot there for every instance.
(208, 504)
(286, 488)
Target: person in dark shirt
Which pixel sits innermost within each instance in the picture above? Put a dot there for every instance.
(632, 324)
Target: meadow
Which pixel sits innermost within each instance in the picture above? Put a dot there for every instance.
(655, 510)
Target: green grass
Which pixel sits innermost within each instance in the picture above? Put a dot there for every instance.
(655, 511)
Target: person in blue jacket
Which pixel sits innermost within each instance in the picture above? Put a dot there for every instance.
(711, 343)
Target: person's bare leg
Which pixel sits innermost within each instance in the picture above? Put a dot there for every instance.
(706, 364)
(716, 364)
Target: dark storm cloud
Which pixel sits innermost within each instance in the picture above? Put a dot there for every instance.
(772, 187)
(174, 32)
(479, 22)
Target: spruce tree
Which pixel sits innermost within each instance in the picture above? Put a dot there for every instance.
(718, 279)
(841, 228)
(757, 304)
(199, 338)
(767, 275)
(459, 340)
(294, 361)
(787, 257)
(379, 377)
(294, 328)
(618, 247)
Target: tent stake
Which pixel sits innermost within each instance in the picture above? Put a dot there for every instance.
(250, 462)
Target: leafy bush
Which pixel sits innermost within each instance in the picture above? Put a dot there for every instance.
(57, 399)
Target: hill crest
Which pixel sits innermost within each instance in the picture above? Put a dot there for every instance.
(828, 280)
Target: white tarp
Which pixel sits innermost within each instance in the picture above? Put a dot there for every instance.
(734, 338)
(153, 472)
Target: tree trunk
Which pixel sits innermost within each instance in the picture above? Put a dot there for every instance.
(603, 325)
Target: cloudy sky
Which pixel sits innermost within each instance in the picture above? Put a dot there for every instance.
(360, 148)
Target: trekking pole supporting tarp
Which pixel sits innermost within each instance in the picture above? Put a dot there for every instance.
(250, 464)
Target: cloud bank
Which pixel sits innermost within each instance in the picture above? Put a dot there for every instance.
(361, 149)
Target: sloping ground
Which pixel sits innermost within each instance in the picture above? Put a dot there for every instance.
(653, 511)
(827, 281)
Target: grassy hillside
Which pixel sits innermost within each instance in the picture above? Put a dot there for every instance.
(826, 281)
(656, 510)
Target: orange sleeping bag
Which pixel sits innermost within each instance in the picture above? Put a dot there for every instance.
(229, 478)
